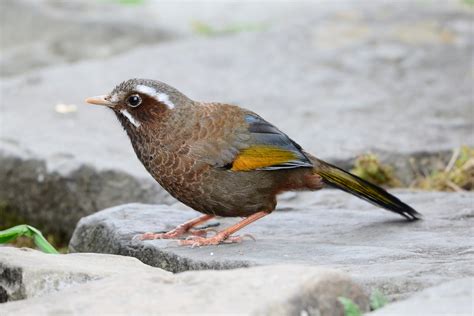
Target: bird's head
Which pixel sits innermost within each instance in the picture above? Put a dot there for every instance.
(141, 101)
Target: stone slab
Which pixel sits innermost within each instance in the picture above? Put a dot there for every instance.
(451, 298)
(96, 284)
(27, 273)
(326, 228)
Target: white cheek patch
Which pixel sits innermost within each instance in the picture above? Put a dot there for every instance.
(130, 118)
(158, 96)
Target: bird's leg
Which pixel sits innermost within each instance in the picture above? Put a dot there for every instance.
(179, 230)
(223, 236)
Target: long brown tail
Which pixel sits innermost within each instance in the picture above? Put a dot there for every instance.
(363, 189)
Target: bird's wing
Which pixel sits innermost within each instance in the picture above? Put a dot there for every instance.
(268, 149)
(240, 140)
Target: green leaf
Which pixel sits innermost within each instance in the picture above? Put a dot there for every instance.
(41, 242)
(28, 231)
(44, 245)
(377, 300)
(350, 308)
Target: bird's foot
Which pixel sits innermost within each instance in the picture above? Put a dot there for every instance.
(219, 238)
(172, 234)
(179, 230)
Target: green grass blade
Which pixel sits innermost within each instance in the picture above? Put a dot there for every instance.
(44, 245)
(40, 241)
(29, 231)
(12, 233)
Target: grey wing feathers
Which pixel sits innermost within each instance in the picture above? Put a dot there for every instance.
(264, 133)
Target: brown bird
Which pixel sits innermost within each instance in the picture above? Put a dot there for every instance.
(223, 160)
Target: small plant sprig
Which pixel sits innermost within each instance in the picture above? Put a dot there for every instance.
(458, 175)
(10, 234)
(369, 168)
(350, 308)
(377, 300)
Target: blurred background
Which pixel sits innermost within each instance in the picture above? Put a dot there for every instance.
(384, 88)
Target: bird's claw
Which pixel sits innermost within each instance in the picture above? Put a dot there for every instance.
(152, 236)
(173, 234)
(196, 241)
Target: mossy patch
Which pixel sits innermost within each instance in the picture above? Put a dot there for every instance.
(369, 168)
(454, 175)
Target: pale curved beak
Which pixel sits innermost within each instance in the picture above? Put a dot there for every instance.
(100, 100)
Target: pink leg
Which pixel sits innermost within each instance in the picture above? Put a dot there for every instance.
(223, 236)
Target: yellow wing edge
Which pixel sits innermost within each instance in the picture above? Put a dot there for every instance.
(261, 156)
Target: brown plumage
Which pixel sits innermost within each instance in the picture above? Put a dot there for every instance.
(222, 160)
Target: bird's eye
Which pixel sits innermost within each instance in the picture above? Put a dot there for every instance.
(134, 100)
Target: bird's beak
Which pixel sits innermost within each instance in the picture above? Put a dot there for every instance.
(100, 100)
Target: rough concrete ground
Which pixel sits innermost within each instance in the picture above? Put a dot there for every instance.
(326, 229)
(340, 79)
(95, 284)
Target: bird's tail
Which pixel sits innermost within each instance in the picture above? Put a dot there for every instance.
(363, 189)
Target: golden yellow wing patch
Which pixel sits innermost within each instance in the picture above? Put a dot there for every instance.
(262, 156)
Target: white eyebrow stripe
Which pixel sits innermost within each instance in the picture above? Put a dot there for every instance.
(130, 117)
(160, 97)
(145, 89)
(164, 98)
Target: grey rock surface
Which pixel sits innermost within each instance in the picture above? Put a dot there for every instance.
(451, 298)
(27, 273)
(327, 228)
(341, 79)
(93, 284)
(55, 201)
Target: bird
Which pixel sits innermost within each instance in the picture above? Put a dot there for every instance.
(223, 160)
